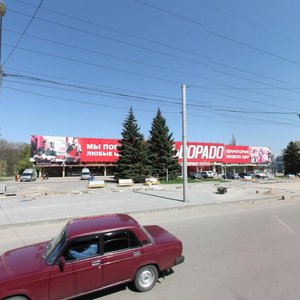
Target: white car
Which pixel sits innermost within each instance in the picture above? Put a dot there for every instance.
(207, 174)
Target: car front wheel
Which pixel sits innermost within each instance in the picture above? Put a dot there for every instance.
(146, 278)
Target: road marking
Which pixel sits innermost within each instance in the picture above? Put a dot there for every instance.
(290, 230)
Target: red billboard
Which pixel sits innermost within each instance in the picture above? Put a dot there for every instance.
(201, 153)
(237, 154)
(207, 153)
(47, 149)
(50, 149)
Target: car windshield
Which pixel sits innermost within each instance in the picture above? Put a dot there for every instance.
(54, 246)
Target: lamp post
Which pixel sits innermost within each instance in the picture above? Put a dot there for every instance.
(184, 162)
(2, 13)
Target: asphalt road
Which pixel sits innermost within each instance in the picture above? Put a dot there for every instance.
(237, 251)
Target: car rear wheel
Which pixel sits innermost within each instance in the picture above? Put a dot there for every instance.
(146, 278)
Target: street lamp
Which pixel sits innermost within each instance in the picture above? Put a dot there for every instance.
(2, 13)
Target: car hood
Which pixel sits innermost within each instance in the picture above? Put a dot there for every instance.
(20, 261)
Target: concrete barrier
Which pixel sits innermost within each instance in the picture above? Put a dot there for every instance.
(96, 184)
(151, 180)
(2, 189)
(125, 182)
(11, 191)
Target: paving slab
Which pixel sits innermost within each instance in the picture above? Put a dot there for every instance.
(65, 198)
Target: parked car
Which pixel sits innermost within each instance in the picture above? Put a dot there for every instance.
(89, 254)
(85, 174)
(29, 175)
(196, 175)
(246, 175)
(261, 175)
(231, 176)
(207, 174)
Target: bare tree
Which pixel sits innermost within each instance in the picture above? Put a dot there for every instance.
(233, 140)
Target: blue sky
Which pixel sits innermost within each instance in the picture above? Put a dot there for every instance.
(74, 68)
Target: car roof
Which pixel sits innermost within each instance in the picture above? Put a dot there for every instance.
(95, 224)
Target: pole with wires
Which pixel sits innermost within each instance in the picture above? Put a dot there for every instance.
(184, 147)
(2, 14)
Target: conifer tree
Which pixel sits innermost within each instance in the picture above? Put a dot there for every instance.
(161, 149)
(291, 158)
(133, 155)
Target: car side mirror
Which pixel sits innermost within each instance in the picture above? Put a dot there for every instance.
(61, 263)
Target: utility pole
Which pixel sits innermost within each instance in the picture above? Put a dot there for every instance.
(2, 13)
(184, 147)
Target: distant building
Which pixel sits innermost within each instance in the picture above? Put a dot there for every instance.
(278, 164)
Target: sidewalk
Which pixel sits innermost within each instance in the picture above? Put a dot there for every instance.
(59, 199)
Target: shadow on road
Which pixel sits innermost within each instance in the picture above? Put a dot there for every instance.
(120, 288)
(158, 196)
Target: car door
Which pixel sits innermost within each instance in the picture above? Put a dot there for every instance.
(122, 256)
(75, 275)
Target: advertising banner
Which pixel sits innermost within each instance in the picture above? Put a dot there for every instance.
(260, 155)
(72, 150)
(48, 149)
(201, 152)
(237, 154)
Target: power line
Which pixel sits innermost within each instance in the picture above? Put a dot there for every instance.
(150, 76)
(23, 33)
(270, 122)
(253, 91)
(247, 100)
(223, 72)
(116, 30)
(220, 35)
(98, 65)
(212, 61)
(253, 47)
(84, 88)
(108, 55)
(121, 107)
(250, 23)
(87, 91)
(251, 73)
(94, 84)
(113, 39)
(170, 13)
(74, 101)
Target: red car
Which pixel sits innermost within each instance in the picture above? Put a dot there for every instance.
(89, 254)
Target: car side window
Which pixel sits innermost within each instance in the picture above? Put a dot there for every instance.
(120, 240)
(81, 248)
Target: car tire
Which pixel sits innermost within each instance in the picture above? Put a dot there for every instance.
(146, 278)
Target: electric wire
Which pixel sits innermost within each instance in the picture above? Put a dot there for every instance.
(76, 29)
(116, 30)
(85, 88)
(202, 87)
(108, 55)
(23, 33)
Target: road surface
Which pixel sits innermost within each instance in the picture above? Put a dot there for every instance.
(233, 252)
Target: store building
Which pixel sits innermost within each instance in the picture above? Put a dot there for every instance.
(66, 156)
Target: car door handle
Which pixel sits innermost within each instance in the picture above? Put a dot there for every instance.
(136, 253)
(96, 263)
